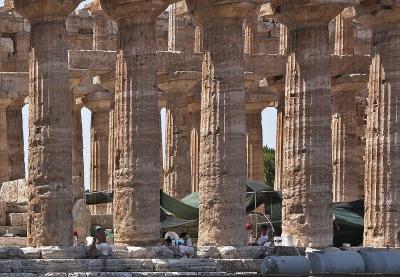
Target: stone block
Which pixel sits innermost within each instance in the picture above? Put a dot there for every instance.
(101, 274)
(13, 241)
(207, 252)
(56, 252)
(185, 265)
(103, 220)
(17, 219)
(3, 218)
(14, 191)
(238, 265)
(15, 230)
(16, 207)
(11, 253)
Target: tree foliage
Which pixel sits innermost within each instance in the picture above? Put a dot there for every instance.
(269, 165)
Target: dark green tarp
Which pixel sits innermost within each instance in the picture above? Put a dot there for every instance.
(349, 216)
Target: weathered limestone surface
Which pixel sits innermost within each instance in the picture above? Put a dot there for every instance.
(4, 162)
(77, 151)
(223, 122)
(255, 158)
(15, 192)
(177, 171)
(99, 102)
(194, 117)
(3, 219)
(348, 99)
(50, 180)
(279, 149)
(382, 177)
(307, 184)
(82, 220)
(137, 123)
(15, 142)
(348, 94)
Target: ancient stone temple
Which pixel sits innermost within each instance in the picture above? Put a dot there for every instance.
(331, 70)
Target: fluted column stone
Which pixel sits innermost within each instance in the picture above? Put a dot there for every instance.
(280, 138)
(344, 32)
(382, 177)
(4, 161)
(194, 117)
(177, 171)
(307, 183)
(15, 140)
(99, 103)
(347, 146)
(255, 157)
(77, 151)
(50, 147)
(137, 125)
(223, 122)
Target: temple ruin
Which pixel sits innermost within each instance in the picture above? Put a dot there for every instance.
(330, 68)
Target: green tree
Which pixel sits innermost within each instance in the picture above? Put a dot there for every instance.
(269, 165)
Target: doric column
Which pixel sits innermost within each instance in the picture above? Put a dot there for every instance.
(347, 146)
(77, 151)
(251, 40)
(99, 103)
(104, 29)
(15, 139)
(4, 162)
(177, 173)
(181, 31)
(255, 157)
(382, 175)
(283, 40)
(223, 122)
(111, 151)
(137, 125)
(280, 135)
(344, 32)
(307, 185)
(50, 147)
(194, 117)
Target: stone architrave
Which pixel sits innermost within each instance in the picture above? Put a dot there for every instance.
(50, 147)
(382, 174)
(307, 183)
(137, 124)
(223, 121)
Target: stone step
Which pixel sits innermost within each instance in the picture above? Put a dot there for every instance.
(41, 266)
(131, 274)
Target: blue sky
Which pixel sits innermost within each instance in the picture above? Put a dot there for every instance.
(268, 123)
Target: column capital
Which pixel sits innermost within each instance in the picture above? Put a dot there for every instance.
(45, 10)
(99, 100)
(308, 13)
(221, 11)
(378, 15)
(127, 12)
(5, 102)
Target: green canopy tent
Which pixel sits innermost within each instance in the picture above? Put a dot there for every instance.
(173, 213)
